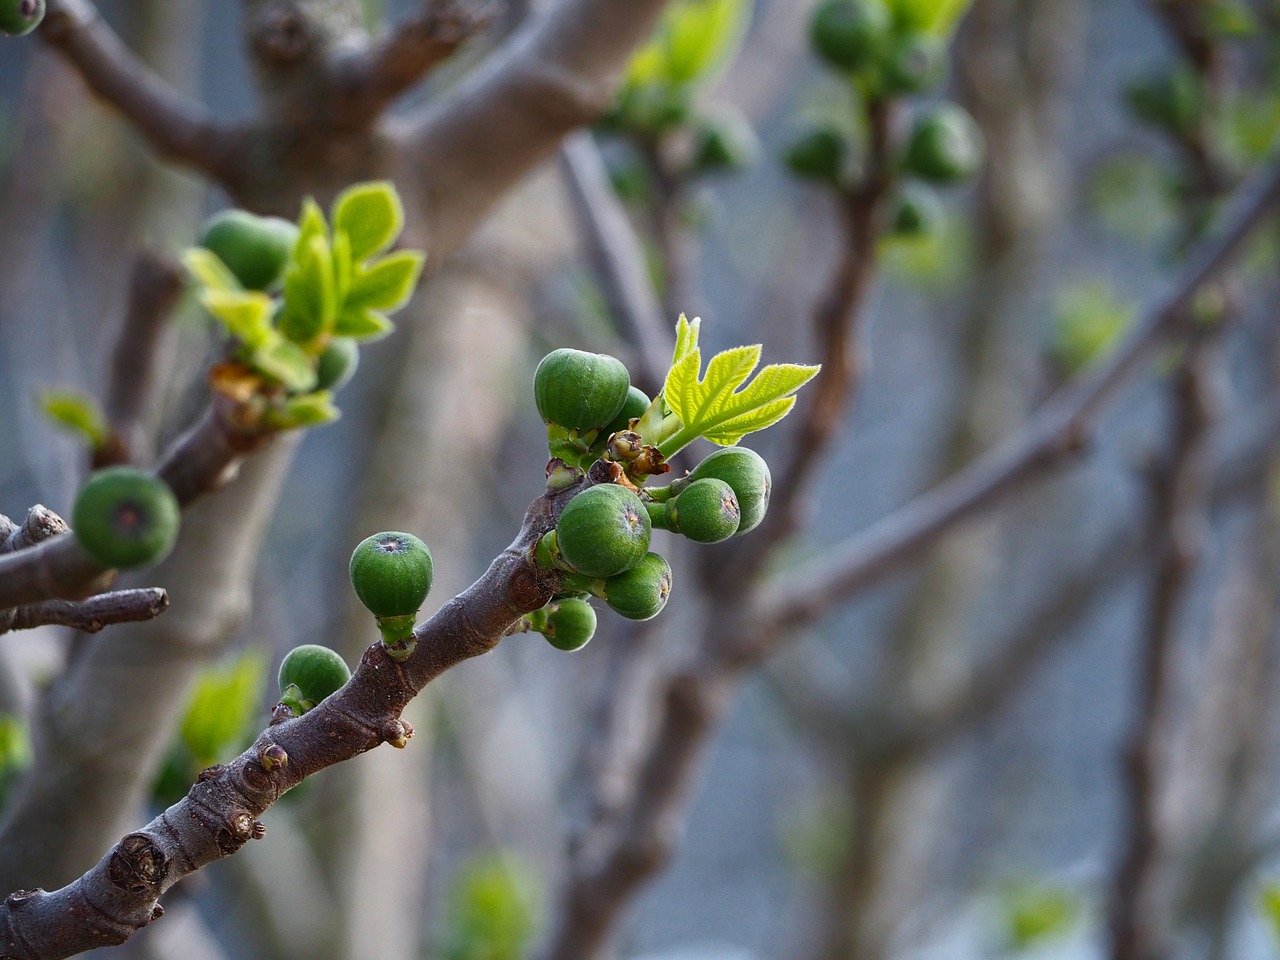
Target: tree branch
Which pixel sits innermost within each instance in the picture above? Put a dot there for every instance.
(178, 129)
(1056, 432)
(220, 814)
(90, 616)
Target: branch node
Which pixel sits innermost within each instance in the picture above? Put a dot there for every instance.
(138, 865)
(273, 758)
(397, 733)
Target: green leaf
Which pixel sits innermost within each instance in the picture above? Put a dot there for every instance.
(361, 324)
(76, 412)
(310, 295)
(286, 362)
(493, 911)
(938, 17)
(222, 710)
(310, 224)
(209, 271)
(700, 35)
(245, 313)
(371, 215)
(1090, 319)
(307, 410)
(1036, 913)
(387, 283)
(722, 406)
(1269, 906)
(343, 266)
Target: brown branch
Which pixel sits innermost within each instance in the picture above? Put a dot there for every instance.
(155, 286)
(619, 260)
(1056, 432)
(90, 616)
(220, 814)
(178, 129)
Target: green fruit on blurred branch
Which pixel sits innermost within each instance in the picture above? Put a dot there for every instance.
(391, 573)
(706, 511)
(1167, 98)
(746, 472)
(580, 390)
(641, 592)
(254, 248)
(632, 409)
(603, 531)
(570, 623)
(20, 16)
(337, 364)
(916, 211)
(124, 517)
(916, 62)
(315, 672)
(945, 145)
(849, 34)
(818, 155)
(724, 142)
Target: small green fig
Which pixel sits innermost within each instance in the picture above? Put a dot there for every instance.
(632, 409)
(724, 142)
(124, 517)
(603, 531)
(706, 511)
(580, 390)
(337, 364)
(746, 472)
(641, 592)
(253, 248)
(945, 145)
(391, 573)
(916, 62)
(818, 155)
(916, 211)
(314, 672)
(570, 624)
(1169, 99)
(849, 34)
(20, 16)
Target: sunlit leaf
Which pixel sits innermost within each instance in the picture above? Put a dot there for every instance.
(371, 215)
(286, 362)
(387, 283)
(208, 270)
(245, 313)
(77, 412)
(223, 708)
(361, 324)
(306, 410)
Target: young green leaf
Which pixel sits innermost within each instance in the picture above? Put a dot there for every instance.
(306, 410)
(387, 283)
(310, 297)
(311, 224)
(360, 324)
(722, 406)
(371, 216)
(208, 271)
(220, 713)
(76, 412)
(286, 362)
(245, 313)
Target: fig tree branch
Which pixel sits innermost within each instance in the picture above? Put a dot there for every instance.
(118, 896)
(1059, 430)
(177, 128)
(91, 615)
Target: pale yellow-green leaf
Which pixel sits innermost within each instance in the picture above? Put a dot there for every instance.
(387, 283)
(77, 412)
(245, 313)
(219, 715)
(728, 432)
(286, 362)
(686, 337)
(371, 215)
(311, 224)
(362, 324)
(208, 270)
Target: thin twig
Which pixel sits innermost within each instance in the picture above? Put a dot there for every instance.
(90, 616)
(177, 128)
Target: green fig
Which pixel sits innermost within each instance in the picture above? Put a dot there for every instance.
(391, 573)
(124, 517)
(255, 249)
(337, 364)
(945, 145)
(916, 62)
(1167, 98)
(706, 511)
(20, 16)
(579, 390)
(818, 155)
(603, 531)
(724, 142)
(746, 472)
(313, 672)
(632, 409)
(849, 34)
(570, 623)
(916, 211)
(641, 592)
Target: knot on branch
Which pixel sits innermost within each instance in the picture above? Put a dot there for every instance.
(240, 827)
(138, 865)
(397, 733)
(283, 36)
(19, 898)
(527, 589)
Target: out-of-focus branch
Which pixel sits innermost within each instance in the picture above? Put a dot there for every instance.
(154, 288)
(90, 616)
(1141, 927)
(220, 814)
(1056, 432)
(367, 80)
(178, 129)
(619, 260)
(557, 72)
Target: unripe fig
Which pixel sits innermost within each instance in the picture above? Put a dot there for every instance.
(391, 573)
(315, 672)
(945, 145)
(20, 16)
(579, 390)
(818, 155)
(724, 142)
(124, 517)
(603, 531)
(706, 511)
(916, 62)
(746, 472)
(337, 364)
(917, 210)
(632, 409)
(1167, 99)
(849, 34)
(254, 248)
(641, 592)
(570, 624)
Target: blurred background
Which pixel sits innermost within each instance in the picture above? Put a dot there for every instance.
(814, 828)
